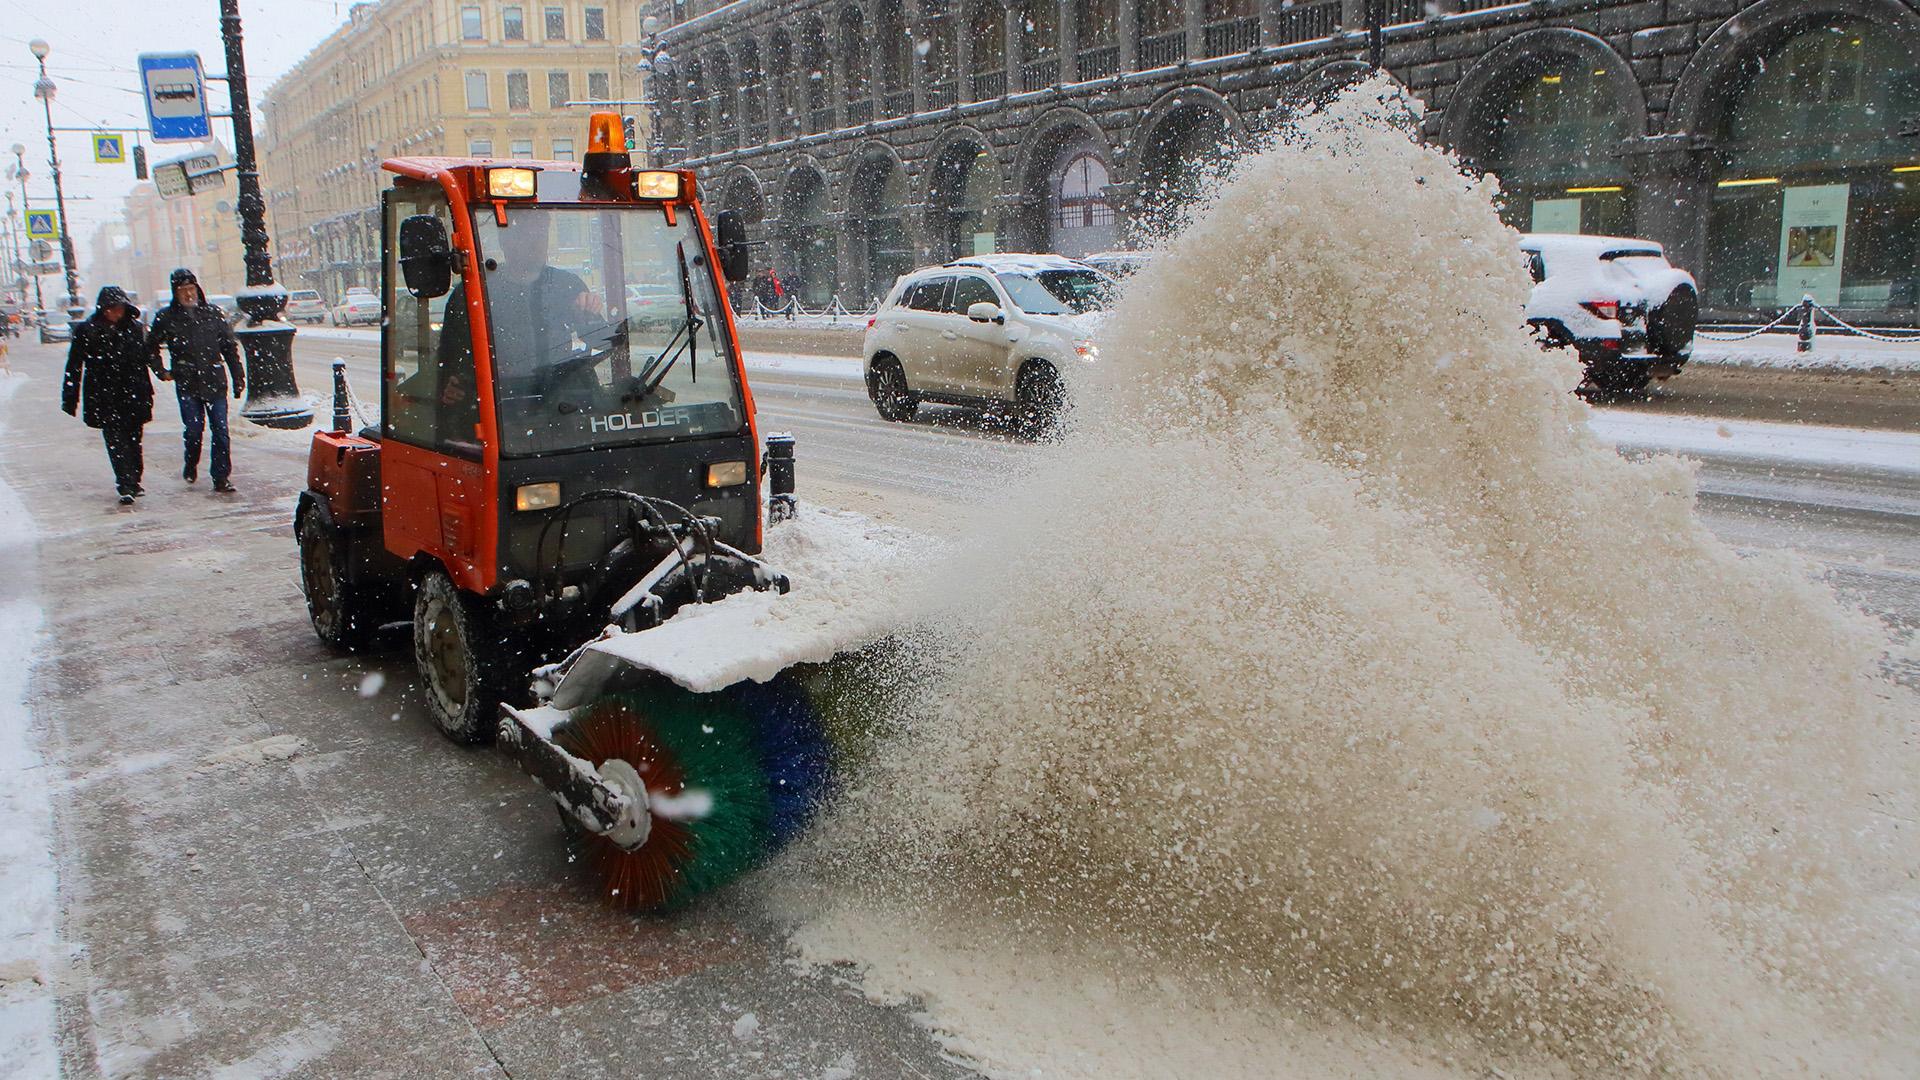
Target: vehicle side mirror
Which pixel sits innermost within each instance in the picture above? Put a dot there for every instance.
(985, 312)
(736, 261)
(426, 256)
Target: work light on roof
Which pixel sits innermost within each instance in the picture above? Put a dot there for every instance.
(510, 183)
(656, 185)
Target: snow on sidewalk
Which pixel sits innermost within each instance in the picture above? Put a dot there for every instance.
(1831, 352)
(26, 816)
(1754, 440)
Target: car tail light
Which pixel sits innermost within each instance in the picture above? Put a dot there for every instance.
(871, 321)
(1606, 309)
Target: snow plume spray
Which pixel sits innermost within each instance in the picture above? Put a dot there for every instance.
(1334, 692)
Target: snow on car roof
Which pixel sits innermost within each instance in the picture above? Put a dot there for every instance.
(1583, 244)
(1020, 263)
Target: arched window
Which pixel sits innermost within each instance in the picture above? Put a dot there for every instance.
(896, 58)
(1039, 30)
(852, 49)
(1163, 37)
(753, 93)
(877, 221)
(1099, 37)
(816, 75)
(1548, 127)
(1083, 218)
(938, 62)
(725, 100)
(1808, 196)
(987, 32)
(960, 210)
(808, 273)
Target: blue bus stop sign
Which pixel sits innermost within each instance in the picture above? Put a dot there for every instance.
(176, 93)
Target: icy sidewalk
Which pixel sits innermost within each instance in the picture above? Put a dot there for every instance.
(26, 857)
(1831, 352)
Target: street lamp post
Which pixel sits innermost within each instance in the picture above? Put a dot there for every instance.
(26, 245)
(44, 90)
(273, 399)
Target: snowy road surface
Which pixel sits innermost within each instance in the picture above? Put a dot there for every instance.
(270, 863)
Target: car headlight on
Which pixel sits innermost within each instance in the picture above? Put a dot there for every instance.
(1086, 347)
(537, 496)
(726, 474)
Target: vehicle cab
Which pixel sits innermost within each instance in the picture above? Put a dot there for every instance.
(539, 399)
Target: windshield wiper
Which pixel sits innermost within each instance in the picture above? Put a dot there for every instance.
(660, 365)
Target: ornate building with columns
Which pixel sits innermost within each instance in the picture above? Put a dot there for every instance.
(1773, 146)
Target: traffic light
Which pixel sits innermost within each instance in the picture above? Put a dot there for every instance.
(139, 163)
(627, 126)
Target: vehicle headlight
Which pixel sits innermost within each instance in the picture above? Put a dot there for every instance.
(1086, 347)
(537, 496)
(726, 474)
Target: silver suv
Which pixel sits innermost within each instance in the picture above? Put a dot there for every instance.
(992, 331)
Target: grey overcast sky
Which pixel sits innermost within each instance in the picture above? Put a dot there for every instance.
(94, 45)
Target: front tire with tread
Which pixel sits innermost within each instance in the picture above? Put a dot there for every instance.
(1042, 401)
(339, 617)
(459, 666)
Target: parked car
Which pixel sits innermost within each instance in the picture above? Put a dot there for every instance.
(1119, 264)
(227, 305)
(356, 307)
(1618, 302)
(305, 305)
(54, 326)
(993, 331)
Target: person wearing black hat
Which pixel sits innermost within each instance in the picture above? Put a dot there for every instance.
(107, 371)
(198, 339)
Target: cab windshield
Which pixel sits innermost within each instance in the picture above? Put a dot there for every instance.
(604, 327)
(1059, 292)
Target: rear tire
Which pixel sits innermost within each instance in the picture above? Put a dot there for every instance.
(892, 398)
(1614, 381)
(1670, 326)
(459, 665)
(339, 617)
(1042, 401)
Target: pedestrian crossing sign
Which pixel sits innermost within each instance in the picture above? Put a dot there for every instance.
(43, 225)
(109, 149)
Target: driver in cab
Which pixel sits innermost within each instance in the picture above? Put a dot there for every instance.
(542, 316)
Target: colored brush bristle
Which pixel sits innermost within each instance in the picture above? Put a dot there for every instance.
(681, 743)
(795, 757)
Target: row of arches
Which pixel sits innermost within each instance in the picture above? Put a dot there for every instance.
(1783, 169)
(848, 231)
(857, 63)
(1779, 165)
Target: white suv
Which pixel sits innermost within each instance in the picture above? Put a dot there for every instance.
(1623, 307)
(989, 330)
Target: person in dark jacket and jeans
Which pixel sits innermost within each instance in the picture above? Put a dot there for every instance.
(107, 373)
(198, 340)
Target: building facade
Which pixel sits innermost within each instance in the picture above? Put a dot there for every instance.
(424, 78)
(201, 232)
(1773, 146)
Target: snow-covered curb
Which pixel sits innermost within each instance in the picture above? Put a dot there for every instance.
(1753, 440)
(26, 818)
(1831, 352)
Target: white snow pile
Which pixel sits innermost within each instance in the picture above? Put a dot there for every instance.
(259, 752)
(1831, 352)
(1322, 707)
(27, 875)
(845, 570)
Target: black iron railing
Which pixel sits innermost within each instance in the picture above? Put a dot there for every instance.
(1231, 37)
(898, 102)
(1163, 49)
(1040, 74)
(859, 111)
(942, 94)
(989, 84)
(1101, 62)
(1308, 22)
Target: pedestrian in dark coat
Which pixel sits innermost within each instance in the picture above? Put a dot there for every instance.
(108, 384)
(200, 343)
